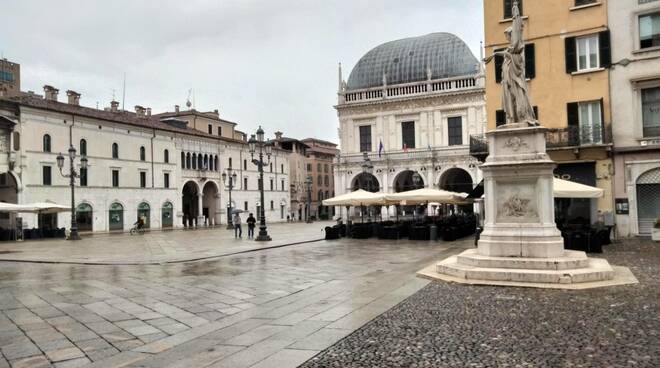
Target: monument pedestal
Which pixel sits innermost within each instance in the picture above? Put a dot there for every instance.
(520, 244)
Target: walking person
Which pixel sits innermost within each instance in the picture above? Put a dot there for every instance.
(251, 223)
(238, 231)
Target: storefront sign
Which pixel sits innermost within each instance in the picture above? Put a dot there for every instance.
(621, 206)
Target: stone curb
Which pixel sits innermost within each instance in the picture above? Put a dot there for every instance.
(152, 263)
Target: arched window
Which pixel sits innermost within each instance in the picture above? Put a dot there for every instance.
(320, 195)
(230, 162)
(211, 163)
(271, 167)
(327, 180)
(46, 142)
(183, 160)
(216, 164)
(166, 156)
(244, 164)
(282, 168)
(194, 161)
(143, 154)
(115, 150)
(188, 160)
(200, 161)
(320, 180)
(83, 147)
(206, 162)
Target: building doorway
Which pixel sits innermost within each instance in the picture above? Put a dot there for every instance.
(648, 200)
(167, 217)
(85, 217)
(143, 212)
(116, 216)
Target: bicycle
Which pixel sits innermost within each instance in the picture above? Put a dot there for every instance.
(136, 230)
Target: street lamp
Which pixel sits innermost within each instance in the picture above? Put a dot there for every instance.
(258, 146)
(308, 184)
(229, 178)
(72, 175)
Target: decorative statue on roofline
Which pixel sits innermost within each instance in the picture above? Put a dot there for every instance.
(515, 98)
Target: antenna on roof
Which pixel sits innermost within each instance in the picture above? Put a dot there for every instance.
(123, 97)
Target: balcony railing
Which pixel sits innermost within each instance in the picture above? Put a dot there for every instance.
(412, 89)
(419, 153)
(573, 136)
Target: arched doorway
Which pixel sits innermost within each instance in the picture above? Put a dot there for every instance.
(456, 180)
(167, 216)
(190, 204)
(209, 202)
(405, 181)
(459, 181)
(408, 180)
(648, 200)
(366, 181)
(116, 216)
(144, 212)
(85, 217)
(8, 194)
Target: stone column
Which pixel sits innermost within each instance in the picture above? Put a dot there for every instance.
(200, 206)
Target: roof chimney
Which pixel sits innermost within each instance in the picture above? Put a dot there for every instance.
(50, 93)
(148, 111)
(176, 109)
(139, 110)
(114, 106)
(74, 97)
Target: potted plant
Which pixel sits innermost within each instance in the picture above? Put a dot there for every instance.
(656, 230)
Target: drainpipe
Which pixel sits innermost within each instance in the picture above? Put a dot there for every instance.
(152, 157)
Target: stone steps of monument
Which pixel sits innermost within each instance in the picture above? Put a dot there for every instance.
(597, 270)
(571, 260)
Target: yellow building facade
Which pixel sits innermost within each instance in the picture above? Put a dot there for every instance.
(567, 58)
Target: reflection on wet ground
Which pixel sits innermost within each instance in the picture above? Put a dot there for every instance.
(281, 304)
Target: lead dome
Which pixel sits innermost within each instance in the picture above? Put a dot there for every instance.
(408, 60)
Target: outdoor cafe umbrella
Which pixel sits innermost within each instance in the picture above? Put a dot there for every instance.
(571, 189)
(47, 207)
(426, 195)
(359, 197)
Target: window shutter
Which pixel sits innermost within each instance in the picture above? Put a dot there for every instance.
(500, 118)
(605, 49)
(499, 60)
(572, 114)
(530, 61)
(571, 61)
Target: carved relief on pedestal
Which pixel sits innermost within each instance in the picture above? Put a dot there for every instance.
(515, 144)
(516, 203)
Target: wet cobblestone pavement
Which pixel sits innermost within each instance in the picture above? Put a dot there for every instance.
(450, 325)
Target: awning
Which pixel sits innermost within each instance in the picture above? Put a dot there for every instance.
(426, 195)
(562, 189)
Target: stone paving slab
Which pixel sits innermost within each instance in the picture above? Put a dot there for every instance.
(177, 245)
(240, 310)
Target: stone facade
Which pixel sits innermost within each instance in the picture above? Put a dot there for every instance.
(158, 167)
(637, 150)
(321, 157)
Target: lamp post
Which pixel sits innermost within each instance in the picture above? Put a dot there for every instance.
(229, 178)
(258, 146)
(367, 168)
(72, 175)
(308, 184)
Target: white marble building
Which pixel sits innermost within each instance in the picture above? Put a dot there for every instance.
(635, 96)
(411, 105)
(159, 167)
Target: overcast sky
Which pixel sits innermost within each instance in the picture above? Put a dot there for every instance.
(268, 62)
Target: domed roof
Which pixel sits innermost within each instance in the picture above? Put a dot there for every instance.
(408, 60)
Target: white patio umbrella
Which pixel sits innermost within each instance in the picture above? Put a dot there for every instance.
(426, 195)
(47, 207)
(570, 189)
(359, 197)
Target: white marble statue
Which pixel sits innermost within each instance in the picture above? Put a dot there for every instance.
(515, 98)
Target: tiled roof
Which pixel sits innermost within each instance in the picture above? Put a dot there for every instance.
(124, 117)
(208, 115)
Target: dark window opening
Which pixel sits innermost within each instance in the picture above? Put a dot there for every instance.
(408, 134)
(455, 130)
(365, 138)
